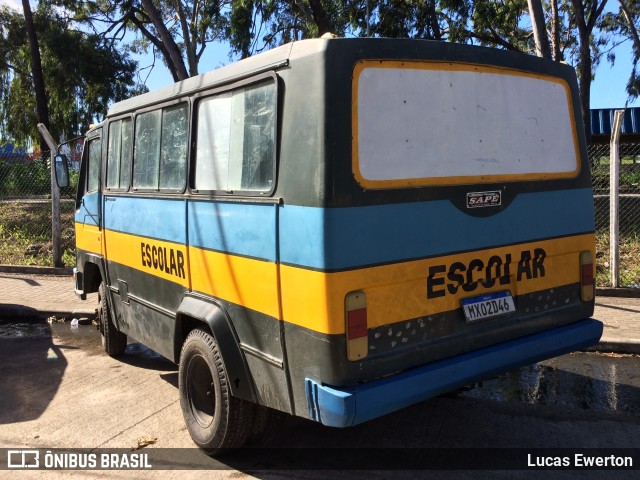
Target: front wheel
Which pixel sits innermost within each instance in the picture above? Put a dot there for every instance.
(216, 420)
(113, 341)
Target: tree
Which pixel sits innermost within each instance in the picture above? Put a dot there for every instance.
(587, 13)
(255, 25)
(625, 24)
(177, 30)
(81, 75)
(632, 17)
(498, 24)
(539, 28)
(36, 68)
(180, 30)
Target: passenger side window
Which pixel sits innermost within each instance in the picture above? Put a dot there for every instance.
(95, 154)
(235, 141)
(161, 149)
(119, 154)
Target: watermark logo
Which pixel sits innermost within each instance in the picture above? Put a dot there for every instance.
(23, 459)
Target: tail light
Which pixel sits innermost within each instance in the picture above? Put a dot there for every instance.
(587, 283)
(356, 331)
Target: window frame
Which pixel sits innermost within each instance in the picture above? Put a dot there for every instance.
(161, 106)
(89, 141)
(107, 127)
(209, 93)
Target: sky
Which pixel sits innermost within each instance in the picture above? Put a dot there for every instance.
(608, 89)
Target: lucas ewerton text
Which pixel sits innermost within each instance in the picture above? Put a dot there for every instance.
(579, 460)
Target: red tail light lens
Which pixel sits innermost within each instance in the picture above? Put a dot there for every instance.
(356, 325)
(587, 282)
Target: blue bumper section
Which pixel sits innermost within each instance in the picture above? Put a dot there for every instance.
(343, 407)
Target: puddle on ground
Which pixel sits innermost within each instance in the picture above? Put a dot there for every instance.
(578, 381)
(25, 330)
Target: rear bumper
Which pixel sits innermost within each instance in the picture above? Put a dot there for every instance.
(346, 406)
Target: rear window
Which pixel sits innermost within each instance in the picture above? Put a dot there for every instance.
(436, 123)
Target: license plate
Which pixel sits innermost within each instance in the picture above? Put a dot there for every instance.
(488, 306)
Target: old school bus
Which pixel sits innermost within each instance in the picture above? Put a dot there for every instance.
(339, 228)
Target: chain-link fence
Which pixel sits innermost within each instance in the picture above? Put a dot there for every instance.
(629, 212)
(25, 210)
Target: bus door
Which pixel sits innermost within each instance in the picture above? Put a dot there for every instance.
(145, 222)
(88, 211)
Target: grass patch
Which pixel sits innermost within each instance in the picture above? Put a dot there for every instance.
(25, 233)
(629, 259)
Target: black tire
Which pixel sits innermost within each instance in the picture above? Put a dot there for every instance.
(216, 420)
(265, 422)
(113, 341)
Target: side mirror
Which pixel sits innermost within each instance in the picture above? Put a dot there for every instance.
(62, 171)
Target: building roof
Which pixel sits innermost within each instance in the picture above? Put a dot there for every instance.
(602, 120)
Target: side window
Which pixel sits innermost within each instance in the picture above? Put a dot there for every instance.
(173, 148)
(93, 172)
(119, 154)
(161, 149)
(235, 141)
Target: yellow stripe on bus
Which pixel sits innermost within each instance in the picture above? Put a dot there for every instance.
(315, 300)
(88, 238)
(167, 260)
(399, 292)
(244, 281)
(240, 280)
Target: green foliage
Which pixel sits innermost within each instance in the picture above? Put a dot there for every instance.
(83, 73)
(24, 178)
(256, 25)
(625, 23)
(192, 25)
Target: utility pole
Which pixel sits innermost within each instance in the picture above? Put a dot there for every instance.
(56, 237)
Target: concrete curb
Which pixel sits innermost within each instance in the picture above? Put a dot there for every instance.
(626, 347)
(618, 292)
(20, 312)
(34, 270)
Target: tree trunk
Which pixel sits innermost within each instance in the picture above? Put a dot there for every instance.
(42, 109)
(584, 81)
(539, 28)
(175, 57)
(320, 17)
(632, 27)
(555, 32)
(586, 24)
(187, 37)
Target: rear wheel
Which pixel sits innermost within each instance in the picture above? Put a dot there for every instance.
(216, 420)
(265, 421)
(113, 341)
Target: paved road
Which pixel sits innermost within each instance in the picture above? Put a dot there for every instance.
(60, 390)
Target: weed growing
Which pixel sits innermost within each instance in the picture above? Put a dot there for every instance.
(25, 233)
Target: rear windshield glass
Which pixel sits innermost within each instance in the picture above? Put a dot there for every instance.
(446, 124)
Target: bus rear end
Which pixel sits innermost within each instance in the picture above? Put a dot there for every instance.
(456, 240)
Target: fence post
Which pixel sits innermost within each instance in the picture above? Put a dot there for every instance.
(614, 196)
(56, 237)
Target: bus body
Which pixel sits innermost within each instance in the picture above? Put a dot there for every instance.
(349, 226)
